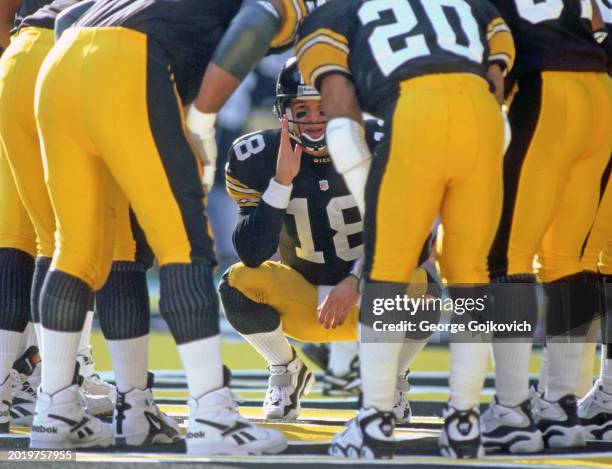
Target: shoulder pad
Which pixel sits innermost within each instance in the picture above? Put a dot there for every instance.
(251, 162)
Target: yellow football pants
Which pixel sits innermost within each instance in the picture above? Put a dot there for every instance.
(296, 300)
(16, 230)
(293, 297)
(111, 124)
(443, 155)
(561, 143)
(19, 68)
(594, 255)
(605, 259)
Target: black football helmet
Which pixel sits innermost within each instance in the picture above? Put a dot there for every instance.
(290, 85)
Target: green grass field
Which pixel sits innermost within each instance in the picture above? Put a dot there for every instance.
(240, 356)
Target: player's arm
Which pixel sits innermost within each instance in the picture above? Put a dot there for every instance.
(70, 16)
(345, 133)
(258, 25)
(8, 9)
(257, 233)
(501, 50)
(322, 52)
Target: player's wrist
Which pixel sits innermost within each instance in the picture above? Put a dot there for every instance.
(277, 195)
(200, 123)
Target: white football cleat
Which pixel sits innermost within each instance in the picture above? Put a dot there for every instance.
(401, 408)
(23, 403)
(343, 385)
(558, 421)
(286, 386)
(92, 383)
(510, 429)
(62, 423)
(595, 412)
(460, 437)
(6, 388)
(138, 421)
(367, 436)
(216, 428)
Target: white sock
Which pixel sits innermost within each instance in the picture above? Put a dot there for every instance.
(585, 378)
(511, 371)
(467, 372)
(10, 342)
(203, 365)
(38, 331)
(28, 339)
(130, 362)
(273, 346)
(86, 334)
(410, 350)
(379, 363)
(563, 363)
(341, 354)
(543, 379)
(605, 374)
(59, 358)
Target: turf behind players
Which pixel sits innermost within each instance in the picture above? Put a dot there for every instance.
(441, 154)
(298, 204)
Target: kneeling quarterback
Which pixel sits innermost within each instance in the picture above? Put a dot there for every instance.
(292, 199)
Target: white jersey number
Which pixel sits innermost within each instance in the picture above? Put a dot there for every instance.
(249, 147)
(547, 10)
(298, 207)
(415, 45)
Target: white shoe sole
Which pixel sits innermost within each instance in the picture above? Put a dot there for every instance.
(568, 438)
(220, 449)
(102, 441)
(589, 431)
(531, 444)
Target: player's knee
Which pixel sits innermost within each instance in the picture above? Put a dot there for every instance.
(250, 279)
(244, 314)
(83, 267)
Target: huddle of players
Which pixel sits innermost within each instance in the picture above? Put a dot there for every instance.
(109, 150)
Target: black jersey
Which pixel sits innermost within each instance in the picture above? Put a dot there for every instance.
(27, 8)
(188, 30)
(45, 16)
(320, 234)
(552, 35)
(379, 44)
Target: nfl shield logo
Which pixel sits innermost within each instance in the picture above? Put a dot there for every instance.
(324, 185)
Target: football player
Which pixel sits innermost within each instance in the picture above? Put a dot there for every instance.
(595, 408)
(109, 107)
(552, 173)
(423, 67)
(298, 204)
(27, 193)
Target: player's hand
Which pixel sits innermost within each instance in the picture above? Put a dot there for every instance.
(341, 300)
(288, 161)
(201, 135)
(496, 76)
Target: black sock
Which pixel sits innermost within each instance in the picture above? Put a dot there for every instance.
(64, 302)
(122, 303)
(16, 270)
(41, 267)
(188, 301)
